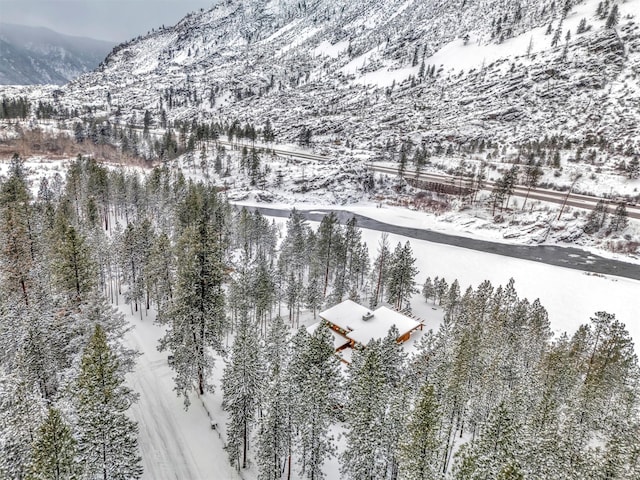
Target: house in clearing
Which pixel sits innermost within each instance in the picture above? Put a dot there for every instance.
(354, 326)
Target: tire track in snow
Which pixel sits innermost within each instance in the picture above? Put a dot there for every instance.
(161, 446)
(174, 443)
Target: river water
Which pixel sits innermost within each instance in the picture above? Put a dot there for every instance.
(567, 257)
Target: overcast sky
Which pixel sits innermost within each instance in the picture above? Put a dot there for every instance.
(113, 20)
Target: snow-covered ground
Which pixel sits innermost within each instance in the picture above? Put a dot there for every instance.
(570, 296)
(174, 443)
(180, 444)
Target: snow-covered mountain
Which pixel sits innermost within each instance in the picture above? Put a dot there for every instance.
(35, 55)
(366, 71)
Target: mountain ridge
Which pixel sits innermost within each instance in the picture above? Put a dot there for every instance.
(243, 53)
(502, 81)
(39, 55)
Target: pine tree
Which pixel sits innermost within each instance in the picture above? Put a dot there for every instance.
(428, 290)
(596, 218)
(108, 447)
(338, 263)
(137, 242)
(402, 161)
(22, 410)
(376, 410)
(348, 264)
(419, 159)
(479, 180)
(296, 376)
(510, 182)
(381, 269)
(313, 295)
(498, 195)
(293, 294)
(98, 186)
(620, 219)
(160, 270)
(327, 232)
(276, 429)
(556, 36)
(204, 163)
(73, 268)
(54, 451)
(316, 377)
(402, 271)
(549, 29)
(453, 297)
(606, 358)
(264, 289)
(582, 26)
(96, 310)
(441, 287)
(398, 395)
(295, 245)
(241, 386)
(365, 414)
(36, 360)
(78, 132)
(268, 135)
(420, 448)
(614, 17)
(494, 452)
(532, 176)
(17, 251)
(196, 316)
(146, 123)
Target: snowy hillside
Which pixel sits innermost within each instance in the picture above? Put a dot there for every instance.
(457, 83)
(368, 72)
(464, 88)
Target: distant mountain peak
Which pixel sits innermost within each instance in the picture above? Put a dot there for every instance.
(38, 55)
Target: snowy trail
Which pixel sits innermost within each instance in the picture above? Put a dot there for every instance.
(174, 443)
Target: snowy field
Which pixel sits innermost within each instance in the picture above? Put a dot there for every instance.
(570, 296)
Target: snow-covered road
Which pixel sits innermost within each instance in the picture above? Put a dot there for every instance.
(174, 443)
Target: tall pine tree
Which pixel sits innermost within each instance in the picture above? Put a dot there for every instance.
(54, 451)
(276, 424)
(108, 444)
(241, 386)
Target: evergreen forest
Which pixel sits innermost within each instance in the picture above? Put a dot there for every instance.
(491, 393)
